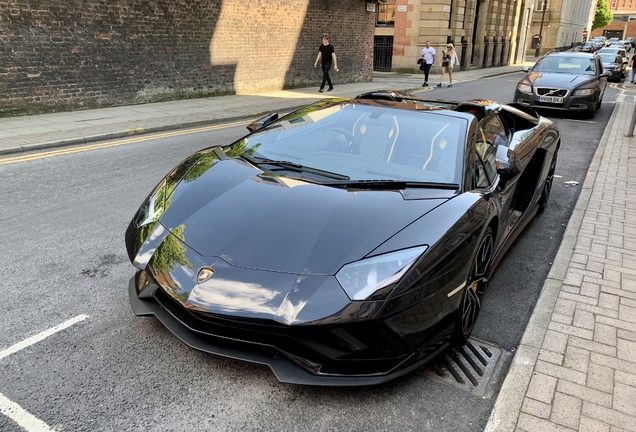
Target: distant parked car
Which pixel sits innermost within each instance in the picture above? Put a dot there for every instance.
(588, 47)
(614, 64)
(616, 51)
(631, 41)
(565, 81)
(621, 44)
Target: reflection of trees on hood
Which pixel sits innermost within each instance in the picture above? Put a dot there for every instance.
(171, 253)
(207, 161)
(143, 233)
(240, 148)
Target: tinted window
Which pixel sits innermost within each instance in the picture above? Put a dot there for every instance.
(479, 175)
(367, 142)
(490, 132)
(611, 58)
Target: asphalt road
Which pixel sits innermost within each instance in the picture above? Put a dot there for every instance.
(62, 222)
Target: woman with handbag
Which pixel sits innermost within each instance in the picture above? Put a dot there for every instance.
(449, 59)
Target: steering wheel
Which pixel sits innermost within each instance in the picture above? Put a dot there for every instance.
(345, 138)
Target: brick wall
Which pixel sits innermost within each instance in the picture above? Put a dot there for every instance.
(70, 54)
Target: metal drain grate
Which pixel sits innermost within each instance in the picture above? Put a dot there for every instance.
(470, 366)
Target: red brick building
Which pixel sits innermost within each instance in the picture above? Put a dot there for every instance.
(71, 54)
(624, 24)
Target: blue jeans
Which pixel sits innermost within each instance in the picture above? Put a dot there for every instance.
(633, 74)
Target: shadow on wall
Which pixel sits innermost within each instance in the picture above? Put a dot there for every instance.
(275, 48)
(72, 54)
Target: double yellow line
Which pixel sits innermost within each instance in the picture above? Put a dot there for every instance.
(71, 150)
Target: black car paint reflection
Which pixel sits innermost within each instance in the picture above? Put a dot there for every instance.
(282, 213)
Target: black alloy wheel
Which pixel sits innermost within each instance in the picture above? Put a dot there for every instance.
(471, 303)
(547, 188)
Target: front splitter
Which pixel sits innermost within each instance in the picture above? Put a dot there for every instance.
(285, 369)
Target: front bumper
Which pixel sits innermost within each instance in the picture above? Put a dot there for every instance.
(570, 103)
(242, 341)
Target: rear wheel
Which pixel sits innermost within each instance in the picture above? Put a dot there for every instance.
(547, 188)
(475, 286)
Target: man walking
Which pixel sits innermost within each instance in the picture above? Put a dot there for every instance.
(428, 54)
(328, 55)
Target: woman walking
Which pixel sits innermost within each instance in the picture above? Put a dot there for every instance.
(449, 59)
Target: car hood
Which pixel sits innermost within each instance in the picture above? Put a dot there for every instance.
(257, 220)
(560, 80)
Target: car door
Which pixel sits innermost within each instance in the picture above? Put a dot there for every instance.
(491, 138)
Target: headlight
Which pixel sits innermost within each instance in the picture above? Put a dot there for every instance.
(152, 209)
(525, 88)
(584, 92)
(362, 279)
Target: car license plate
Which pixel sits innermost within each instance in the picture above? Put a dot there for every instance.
(551, 99)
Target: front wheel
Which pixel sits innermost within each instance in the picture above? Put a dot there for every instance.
(592, 112)
(475, 286)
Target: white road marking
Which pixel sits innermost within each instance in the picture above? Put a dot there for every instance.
(22, 417)
(41, 336)
(15, 412)
(581, 121)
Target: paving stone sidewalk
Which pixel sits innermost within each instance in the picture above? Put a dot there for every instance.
(575, 369)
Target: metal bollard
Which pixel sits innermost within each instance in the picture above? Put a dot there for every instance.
(630, 134)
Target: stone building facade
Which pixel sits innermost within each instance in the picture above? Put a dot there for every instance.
(68, 54)
(563, 23)
(485, 32)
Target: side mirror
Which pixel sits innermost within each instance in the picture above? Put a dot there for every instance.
(525, 69)
(606, 74)
(507, 164)
(262, 122)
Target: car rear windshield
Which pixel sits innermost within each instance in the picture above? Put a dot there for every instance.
(608, 58)
(366, 141)
(569, 65)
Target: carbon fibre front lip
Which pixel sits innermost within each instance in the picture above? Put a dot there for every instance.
(285, 369)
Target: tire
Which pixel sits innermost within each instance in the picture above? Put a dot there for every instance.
(547, 188)
(475, 286)
(589, 114)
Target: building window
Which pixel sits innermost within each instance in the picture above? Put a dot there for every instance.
(614, 4)
(623, 5)
(540, 5)
(386, 14)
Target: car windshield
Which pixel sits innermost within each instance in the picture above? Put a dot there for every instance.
(569, 65)
(363, 140)
(608, 57)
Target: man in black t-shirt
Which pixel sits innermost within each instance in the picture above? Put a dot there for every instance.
(328, 55)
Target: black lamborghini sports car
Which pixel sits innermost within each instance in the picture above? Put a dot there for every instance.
(346, 243)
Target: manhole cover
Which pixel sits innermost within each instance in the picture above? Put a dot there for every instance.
(470, 366)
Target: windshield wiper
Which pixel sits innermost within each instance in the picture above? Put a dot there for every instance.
(292, 166)
(392, 184)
